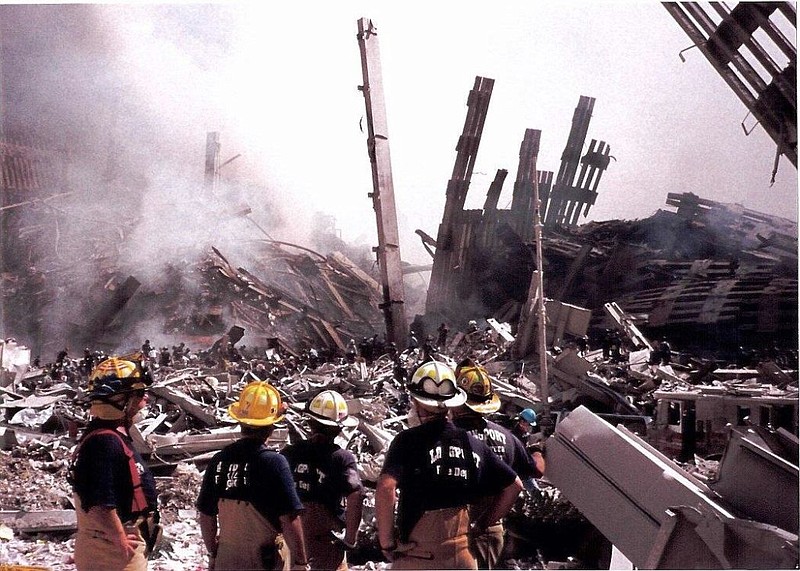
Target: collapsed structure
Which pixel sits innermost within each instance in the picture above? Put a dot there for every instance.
(719, 411)
(482, 262)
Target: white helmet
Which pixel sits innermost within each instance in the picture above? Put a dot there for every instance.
(434, 384)
(330, 409)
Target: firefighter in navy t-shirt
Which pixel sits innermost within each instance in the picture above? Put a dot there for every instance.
(327, 481)
(249, 509)
(439, 470)
(487, 545)
(115, 493)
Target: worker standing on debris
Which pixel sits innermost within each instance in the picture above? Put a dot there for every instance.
(147, 350)
(327, 481)
(439, 469)
(523, 427)
(115, 494)
(664, 352)
(481, 400)
(441, 339)
(524, 430)
(249, 509)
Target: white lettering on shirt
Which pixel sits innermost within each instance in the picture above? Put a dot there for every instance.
(233, 476)
(455, 452)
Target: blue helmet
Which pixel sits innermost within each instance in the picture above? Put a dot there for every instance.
(528, 415)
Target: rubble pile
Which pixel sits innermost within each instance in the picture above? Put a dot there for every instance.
(711, 275)
(187, 423)
(311, 321)
(306, 300)
(290, 295)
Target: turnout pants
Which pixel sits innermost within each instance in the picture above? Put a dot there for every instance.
(488, 545)
(325, 553)
(247, 540)
(438, 541)
(95, 550)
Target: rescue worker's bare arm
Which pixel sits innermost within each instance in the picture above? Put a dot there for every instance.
(502, 504)
(538, 461)
(354, 505)
(208, 530)
(385, 499)
(107, 518)
(292, 529)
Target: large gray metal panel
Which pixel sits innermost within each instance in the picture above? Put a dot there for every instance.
(762, 485)
(619, 483)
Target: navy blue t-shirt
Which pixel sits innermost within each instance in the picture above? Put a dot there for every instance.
(324, 473)
(502, 442)
(102, 474)
(248, 471)
(438, 465)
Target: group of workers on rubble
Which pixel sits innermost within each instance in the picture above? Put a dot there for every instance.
(445, 486)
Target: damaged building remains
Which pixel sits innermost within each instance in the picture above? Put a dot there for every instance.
(659, 354)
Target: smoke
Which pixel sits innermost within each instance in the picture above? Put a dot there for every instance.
(125, 96)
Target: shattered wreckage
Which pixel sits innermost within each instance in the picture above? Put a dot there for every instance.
(664, 367)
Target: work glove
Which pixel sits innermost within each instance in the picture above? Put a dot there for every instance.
(339, 539)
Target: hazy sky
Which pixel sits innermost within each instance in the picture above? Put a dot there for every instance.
(285, 97)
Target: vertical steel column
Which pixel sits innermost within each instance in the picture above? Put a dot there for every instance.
(388, 250)
(212, 162)
(523, 201)
(540, 307)
(535, 302)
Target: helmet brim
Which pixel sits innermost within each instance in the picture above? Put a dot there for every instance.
(488, 407)
(233, 412)
(455, 401)
(346, 422)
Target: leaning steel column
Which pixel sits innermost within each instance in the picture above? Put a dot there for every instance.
(570, 160)
(388, 249)
(442, 292)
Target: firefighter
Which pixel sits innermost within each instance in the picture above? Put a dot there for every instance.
(248, 508)
(327, 481)
(471, 416)
(115, 494)
(439, 469)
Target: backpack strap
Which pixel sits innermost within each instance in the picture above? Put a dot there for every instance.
(139, 502)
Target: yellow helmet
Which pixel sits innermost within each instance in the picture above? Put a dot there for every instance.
(476, 382)
(116, 376)
(111, 385)
(434, 384)
(329, 408)
(259, 404)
